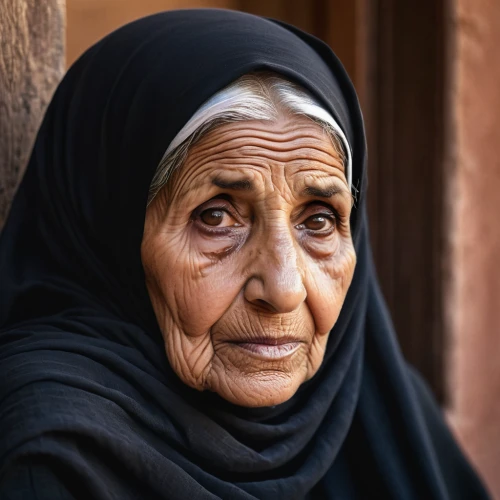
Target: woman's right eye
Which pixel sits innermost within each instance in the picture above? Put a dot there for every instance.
(218, 217)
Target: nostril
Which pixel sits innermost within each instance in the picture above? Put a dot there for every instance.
(263, 304)
(275, 291)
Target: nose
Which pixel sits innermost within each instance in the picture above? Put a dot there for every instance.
(276, 281)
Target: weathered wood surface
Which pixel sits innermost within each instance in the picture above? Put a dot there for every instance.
(32, 40)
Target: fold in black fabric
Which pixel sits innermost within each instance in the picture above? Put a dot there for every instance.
(89, 407)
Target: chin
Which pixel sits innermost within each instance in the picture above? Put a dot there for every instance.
(259, 390)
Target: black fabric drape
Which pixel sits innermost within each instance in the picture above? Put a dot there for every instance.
(89, 407)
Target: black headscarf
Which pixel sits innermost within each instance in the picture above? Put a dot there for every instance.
(89, 407)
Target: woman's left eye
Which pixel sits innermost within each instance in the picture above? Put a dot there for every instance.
(320, 223)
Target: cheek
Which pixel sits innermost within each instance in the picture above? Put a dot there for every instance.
(327, 286)
(204, 300)
(187, 287)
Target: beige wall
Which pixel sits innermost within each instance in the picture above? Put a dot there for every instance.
(474, 300)
(90, 20)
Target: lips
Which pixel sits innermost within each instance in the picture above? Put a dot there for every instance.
(270, 348)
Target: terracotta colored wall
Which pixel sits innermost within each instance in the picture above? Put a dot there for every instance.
(90, 20)
(474, 301)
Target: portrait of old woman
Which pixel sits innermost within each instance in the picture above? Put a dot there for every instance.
(189, 307)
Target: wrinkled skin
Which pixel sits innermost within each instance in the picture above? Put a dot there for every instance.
(248, 257)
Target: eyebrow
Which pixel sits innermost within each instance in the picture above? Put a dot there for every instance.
(247, 185)
(240, 185)
(324, 192)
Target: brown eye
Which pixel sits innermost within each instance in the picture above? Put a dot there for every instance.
(320, 223)
(217, 217)
(212, 216)
(317, 223)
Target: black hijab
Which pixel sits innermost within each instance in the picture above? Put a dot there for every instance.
(89, 407)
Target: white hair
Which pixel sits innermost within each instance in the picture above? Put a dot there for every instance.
(255, 96)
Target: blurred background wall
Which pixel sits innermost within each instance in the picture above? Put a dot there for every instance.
(473, 184)
(427, 75)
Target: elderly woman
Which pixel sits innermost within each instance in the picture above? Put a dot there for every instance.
(189, 305)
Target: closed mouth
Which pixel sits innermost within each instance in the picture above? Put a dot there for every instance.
(270, 348)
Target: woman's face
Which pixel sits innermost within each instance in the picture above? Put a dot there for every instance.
(248, 256)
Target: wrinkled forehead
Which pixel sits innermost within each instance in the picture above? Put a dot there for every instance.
(291, 101)
(253, 155)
